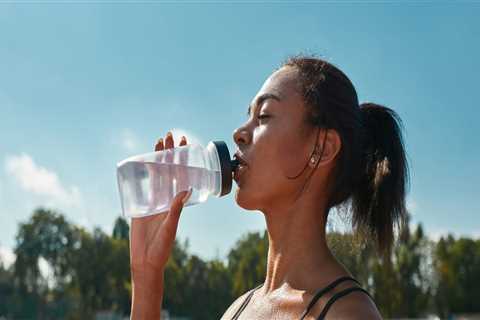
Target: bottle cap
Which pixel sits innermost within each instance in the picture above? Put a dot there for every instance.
(225, 166)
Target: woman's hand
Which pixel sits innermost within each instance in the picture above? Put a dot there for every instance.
(151, 242)
(152, 237)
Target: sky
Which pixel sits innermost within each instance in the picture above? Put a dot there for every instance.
(84, 85)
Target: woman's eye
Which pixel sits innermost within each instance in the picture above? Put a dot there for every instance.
(263, 116)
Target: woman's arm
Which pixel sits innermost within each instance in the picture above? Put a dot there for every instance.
(151, 243)
(147, 294)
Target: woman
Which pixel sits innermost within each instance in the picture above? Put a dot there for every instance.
(306, 147)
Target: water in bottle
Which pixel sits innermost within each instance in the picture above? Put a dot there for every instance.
(149, 182)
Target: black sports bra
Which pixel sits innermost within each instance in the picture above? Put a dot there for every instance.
(317, 296)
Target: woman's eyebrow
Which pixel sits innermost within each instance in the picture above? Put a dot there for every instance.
(260, 100)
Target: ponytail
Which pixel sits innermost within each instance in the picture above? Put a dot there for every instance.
(378, 201)
(371, 172)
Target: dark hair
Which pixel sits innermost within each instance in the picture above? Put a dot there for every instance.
(371, 169)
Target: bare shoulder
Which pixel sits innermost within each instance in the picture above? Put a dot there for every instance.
(354, 306)
(228, 315)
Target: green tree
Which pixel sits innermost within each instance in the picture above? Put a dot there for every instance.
(175, 284)
(413, 281)
(120, 270)
(457, 266)
(195, 288)
(247, 262)
(121, 230)
(98, 262)
(220, 287)
(6, 290)
(400, 282)
(46, 236)
(356, 255)
(91, 271)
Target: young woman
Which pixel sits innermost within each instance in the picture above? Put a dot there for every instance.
(306, 147)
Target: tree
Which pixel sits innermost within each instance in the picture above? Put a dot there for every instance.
(46, 236)
(6, 290)
(175, 283)
(100, 271)
(121, 229)
(195, 288)
(413, 280)
(247, 262)
(400, 282)
(91, 271)
(457, 266)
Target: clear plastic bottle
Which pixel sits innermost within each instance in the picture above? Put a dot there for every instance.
(149, 182)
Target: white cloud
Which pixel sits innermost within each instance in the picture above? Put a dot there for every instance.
(7, 257)
(40, 181)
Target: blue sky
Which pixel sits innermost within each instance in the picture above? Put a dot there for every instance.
(84, 85)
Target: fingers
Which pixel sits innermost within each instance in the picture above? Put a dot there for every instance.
(183, 181)
(171, 222)
(168, 143)
(159, 145)
(183, 141)
(177, 204)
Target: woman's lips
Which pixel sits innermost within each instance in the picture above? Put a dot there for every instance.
(241, 168)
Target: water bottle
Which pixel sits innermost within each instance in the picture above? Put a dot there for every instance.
(149, 182)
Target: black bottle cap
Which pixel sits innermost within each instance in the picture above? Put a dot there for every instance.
(226, 166)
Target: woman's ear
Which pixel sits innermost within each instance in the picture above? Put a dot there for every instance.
(330, 141)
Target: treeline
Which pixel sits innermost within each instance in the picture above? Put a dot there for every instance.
(88, 273)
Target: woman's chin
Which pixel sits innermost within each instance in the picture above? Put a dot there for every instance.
(244, 201)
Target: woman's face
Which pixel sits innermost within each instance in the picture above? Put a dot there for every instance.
(275, 142)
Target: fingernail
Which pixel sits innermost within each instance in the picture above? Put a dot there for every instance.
(183, 138)
(169, 134)
(187, 196)
(160, 140)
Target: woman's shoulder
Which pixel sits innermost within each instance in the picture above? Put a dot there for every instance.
(355, 305)
(352, 306)
(228, 315)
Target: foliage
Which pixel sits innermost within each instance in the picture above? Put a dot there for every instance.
(63, 271)
(247, 262)
(85, 272)
(457, 268)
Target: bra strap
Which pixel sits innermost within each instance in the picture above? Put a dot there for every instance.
(338, 296)
(320, 293)
(245, 302)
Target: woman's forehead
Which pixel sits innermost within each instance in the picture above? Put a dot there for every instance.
(281, 81)
(283, 84)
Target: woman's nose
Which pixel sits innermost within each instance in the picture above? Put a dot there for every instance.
(240, 136)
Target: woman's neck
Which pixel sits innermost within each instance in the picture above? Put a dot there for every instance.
(298, 255)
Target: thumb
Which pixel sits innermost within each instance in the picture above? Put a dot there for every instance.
(177, 205)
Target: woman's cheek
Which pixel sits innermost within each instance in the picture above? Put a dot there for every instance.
(260, 133)
(290, 156)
